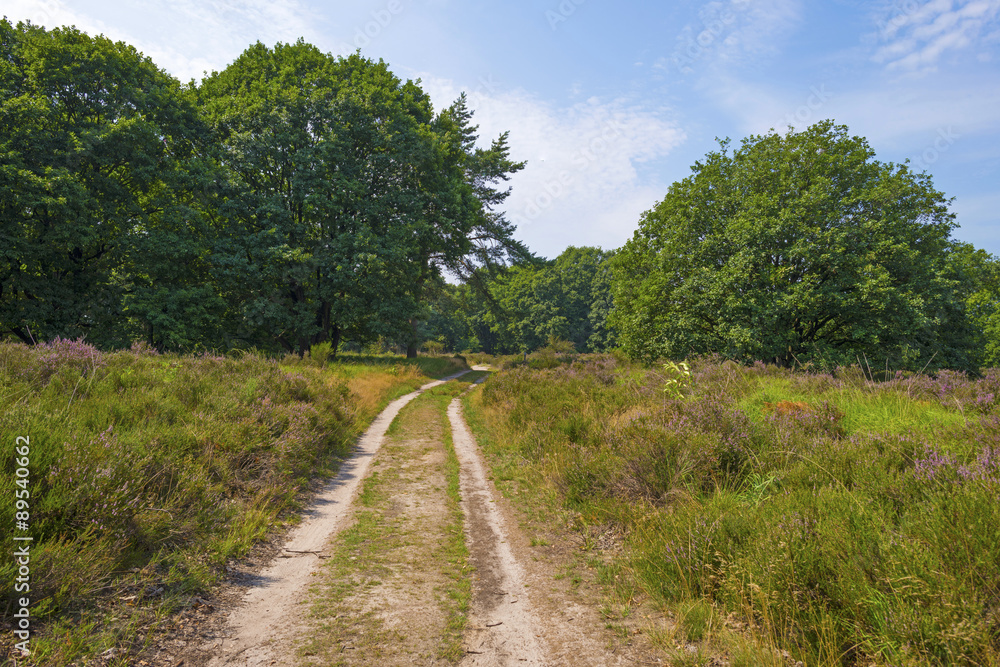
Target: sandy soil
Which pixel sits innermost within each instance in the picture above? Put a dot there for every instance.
(523, 610)
(386, 595)
(504, 630)
(266, 622)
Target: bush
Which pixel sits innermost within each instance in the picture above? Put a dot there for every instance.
(321, 353)
(851, 521)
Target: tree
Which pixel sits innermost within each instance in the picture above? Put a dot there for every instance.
(794, 247)
(978, 273)
(463, 231)
(351, 195)
(445, 317)
(325, 155)
(96, 151)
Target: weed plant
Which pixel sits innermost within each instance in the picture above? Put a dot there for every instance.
(148, 472)
(847, 521)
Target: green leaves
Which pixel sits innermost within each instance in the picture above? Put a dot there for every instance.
(93, 147)
(794, 247)
(349, 195)
(567, 298)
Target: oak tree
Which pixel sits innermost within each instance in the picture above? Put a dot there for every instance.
(794, 247)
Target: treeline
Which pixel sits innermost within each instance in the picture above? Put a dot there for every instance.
(795, 250)
(297, 199)
(535, 303)
(293, 198)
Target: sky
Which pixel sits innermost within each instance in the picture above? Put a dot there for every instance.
(610, 103)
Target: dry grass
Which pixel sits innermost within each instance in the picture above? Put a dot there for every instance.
(149, 472)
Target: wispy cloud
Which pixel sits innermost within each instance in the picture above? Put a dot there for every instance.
(917, 35)
(732, 32)
(584, 182)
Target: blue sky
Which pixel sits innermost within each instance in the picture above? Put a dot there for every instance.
(611, 102)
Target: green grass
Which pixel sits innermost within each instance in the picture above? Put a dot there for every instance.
(856, 523)
(381, 544)
(864, 410)
(454, 553)
(151, 471)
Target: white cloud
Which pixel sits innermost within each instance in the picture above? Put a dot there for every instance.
(731, 33)
(581, 185)
(50, 14)
(917, 35)
(184, 37)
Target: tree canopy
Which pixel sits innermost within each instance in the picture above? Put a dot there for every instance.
(290, 199)
(795, 247)
(99, 168)
(297, 198)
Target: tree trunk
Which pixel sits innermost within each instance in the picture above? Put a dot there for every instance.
(334, 340)
(26, 339)
(411, 346)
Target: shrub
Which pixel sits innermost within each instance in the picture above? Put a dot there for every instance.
(851, 521)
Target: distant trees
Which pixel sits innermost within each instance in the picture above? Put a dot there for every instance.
(523, 307)
(802, 247)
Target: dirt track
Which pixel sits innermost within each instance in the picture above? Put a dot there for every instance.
(517, 615)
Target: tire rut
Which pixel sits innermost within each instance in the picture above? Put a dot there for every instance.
(263, 627)
(392, 595)
(502, 625)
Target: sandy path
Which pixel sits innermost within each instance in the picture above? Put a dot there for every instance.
(261, 630)
(523, 610)
(502, 626)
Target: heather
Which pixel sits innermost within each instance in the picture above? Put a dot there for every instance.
(845, 518)
(150, 471)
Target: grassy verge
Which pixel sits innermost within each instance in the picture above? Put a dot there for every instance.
(838, 520)
(148, 472)
(454, 551)
(397, 581)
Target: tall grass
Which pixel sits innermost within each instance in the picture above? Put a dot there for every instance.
(149, 471)
(850, 521)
